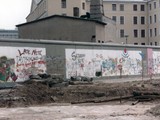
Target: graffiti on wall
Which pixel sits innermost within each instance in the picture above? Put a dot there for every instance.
(81, 62)
(156, 62)
(55, 64)
(150, 61)
(16, 64)
(7, 69)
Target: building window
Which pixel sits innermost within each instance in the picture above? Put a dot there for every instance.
(63, 3)
(142, 43)
(155, 43)
(114, 18)
(114, 7)
(134, 7)
(150, 43)
(142, 7)
(143, 33)
(155, 18)
(150, 19)
(76, 12)
(135, 33)
(122, 33)
(135, 21)
(135, 43)
(150, 32)
(121, 7)
(154, 5)
(142, 20)
(150, 6)
(83, 6)
(121, 20)
(155, 31)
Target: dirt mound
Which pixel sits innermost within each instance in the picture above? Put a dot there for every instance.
(37, 93)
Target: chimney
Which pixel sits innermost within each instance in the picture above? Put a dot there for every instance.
(96, 10)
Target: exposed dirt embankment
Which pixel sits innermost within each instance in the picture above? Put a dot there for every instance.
(37, 93)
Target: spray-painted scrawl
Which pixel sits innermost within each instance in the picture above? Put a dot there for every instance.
(87, 62)
(17, 63)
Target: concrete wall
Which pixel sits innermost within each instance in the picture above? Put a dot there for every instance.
(62, 28)
(90, 59)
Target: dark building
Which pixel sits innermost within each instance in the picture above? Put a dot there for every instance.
(65, 28)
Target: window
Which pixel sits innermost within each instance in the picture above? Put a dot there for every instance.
(114, 7)
(114, 18)
(154, 5)
(122, 33)
(155, 18)
(155, 31)
(63, 3)
(150, 32)
(135, 33)
(135, 20)
(142, 20)
(134, 7)
(150, 6)
(135, 43)
(143, 33)
(142, 7)
(142, 43)
(121, 20)
(155, 43)
(121, 7)
(83, 6)
(76, 12)
(150, 43)
(150, 19)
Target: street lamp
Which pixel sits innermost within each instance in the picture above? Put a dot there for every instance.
(126, 36)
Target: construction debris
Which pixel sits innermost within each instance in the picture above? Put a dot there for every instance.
(55, 89)
(142, 96)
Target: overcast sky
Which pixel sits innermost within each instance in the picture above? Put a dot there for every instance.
(13, 12)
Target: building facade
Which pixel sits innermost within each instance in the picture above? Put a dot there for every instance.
(44, 8)
(137, 21)
(11, 34)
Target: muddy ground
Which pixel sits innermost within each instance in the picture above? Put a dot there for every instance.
(37, 93)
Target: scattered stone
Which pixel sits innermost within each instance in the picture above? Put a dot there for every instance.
(44, 76)
(81, 78)
(34, 77)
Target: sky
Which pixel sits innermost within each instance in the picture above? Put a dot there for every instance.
(13, 12)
